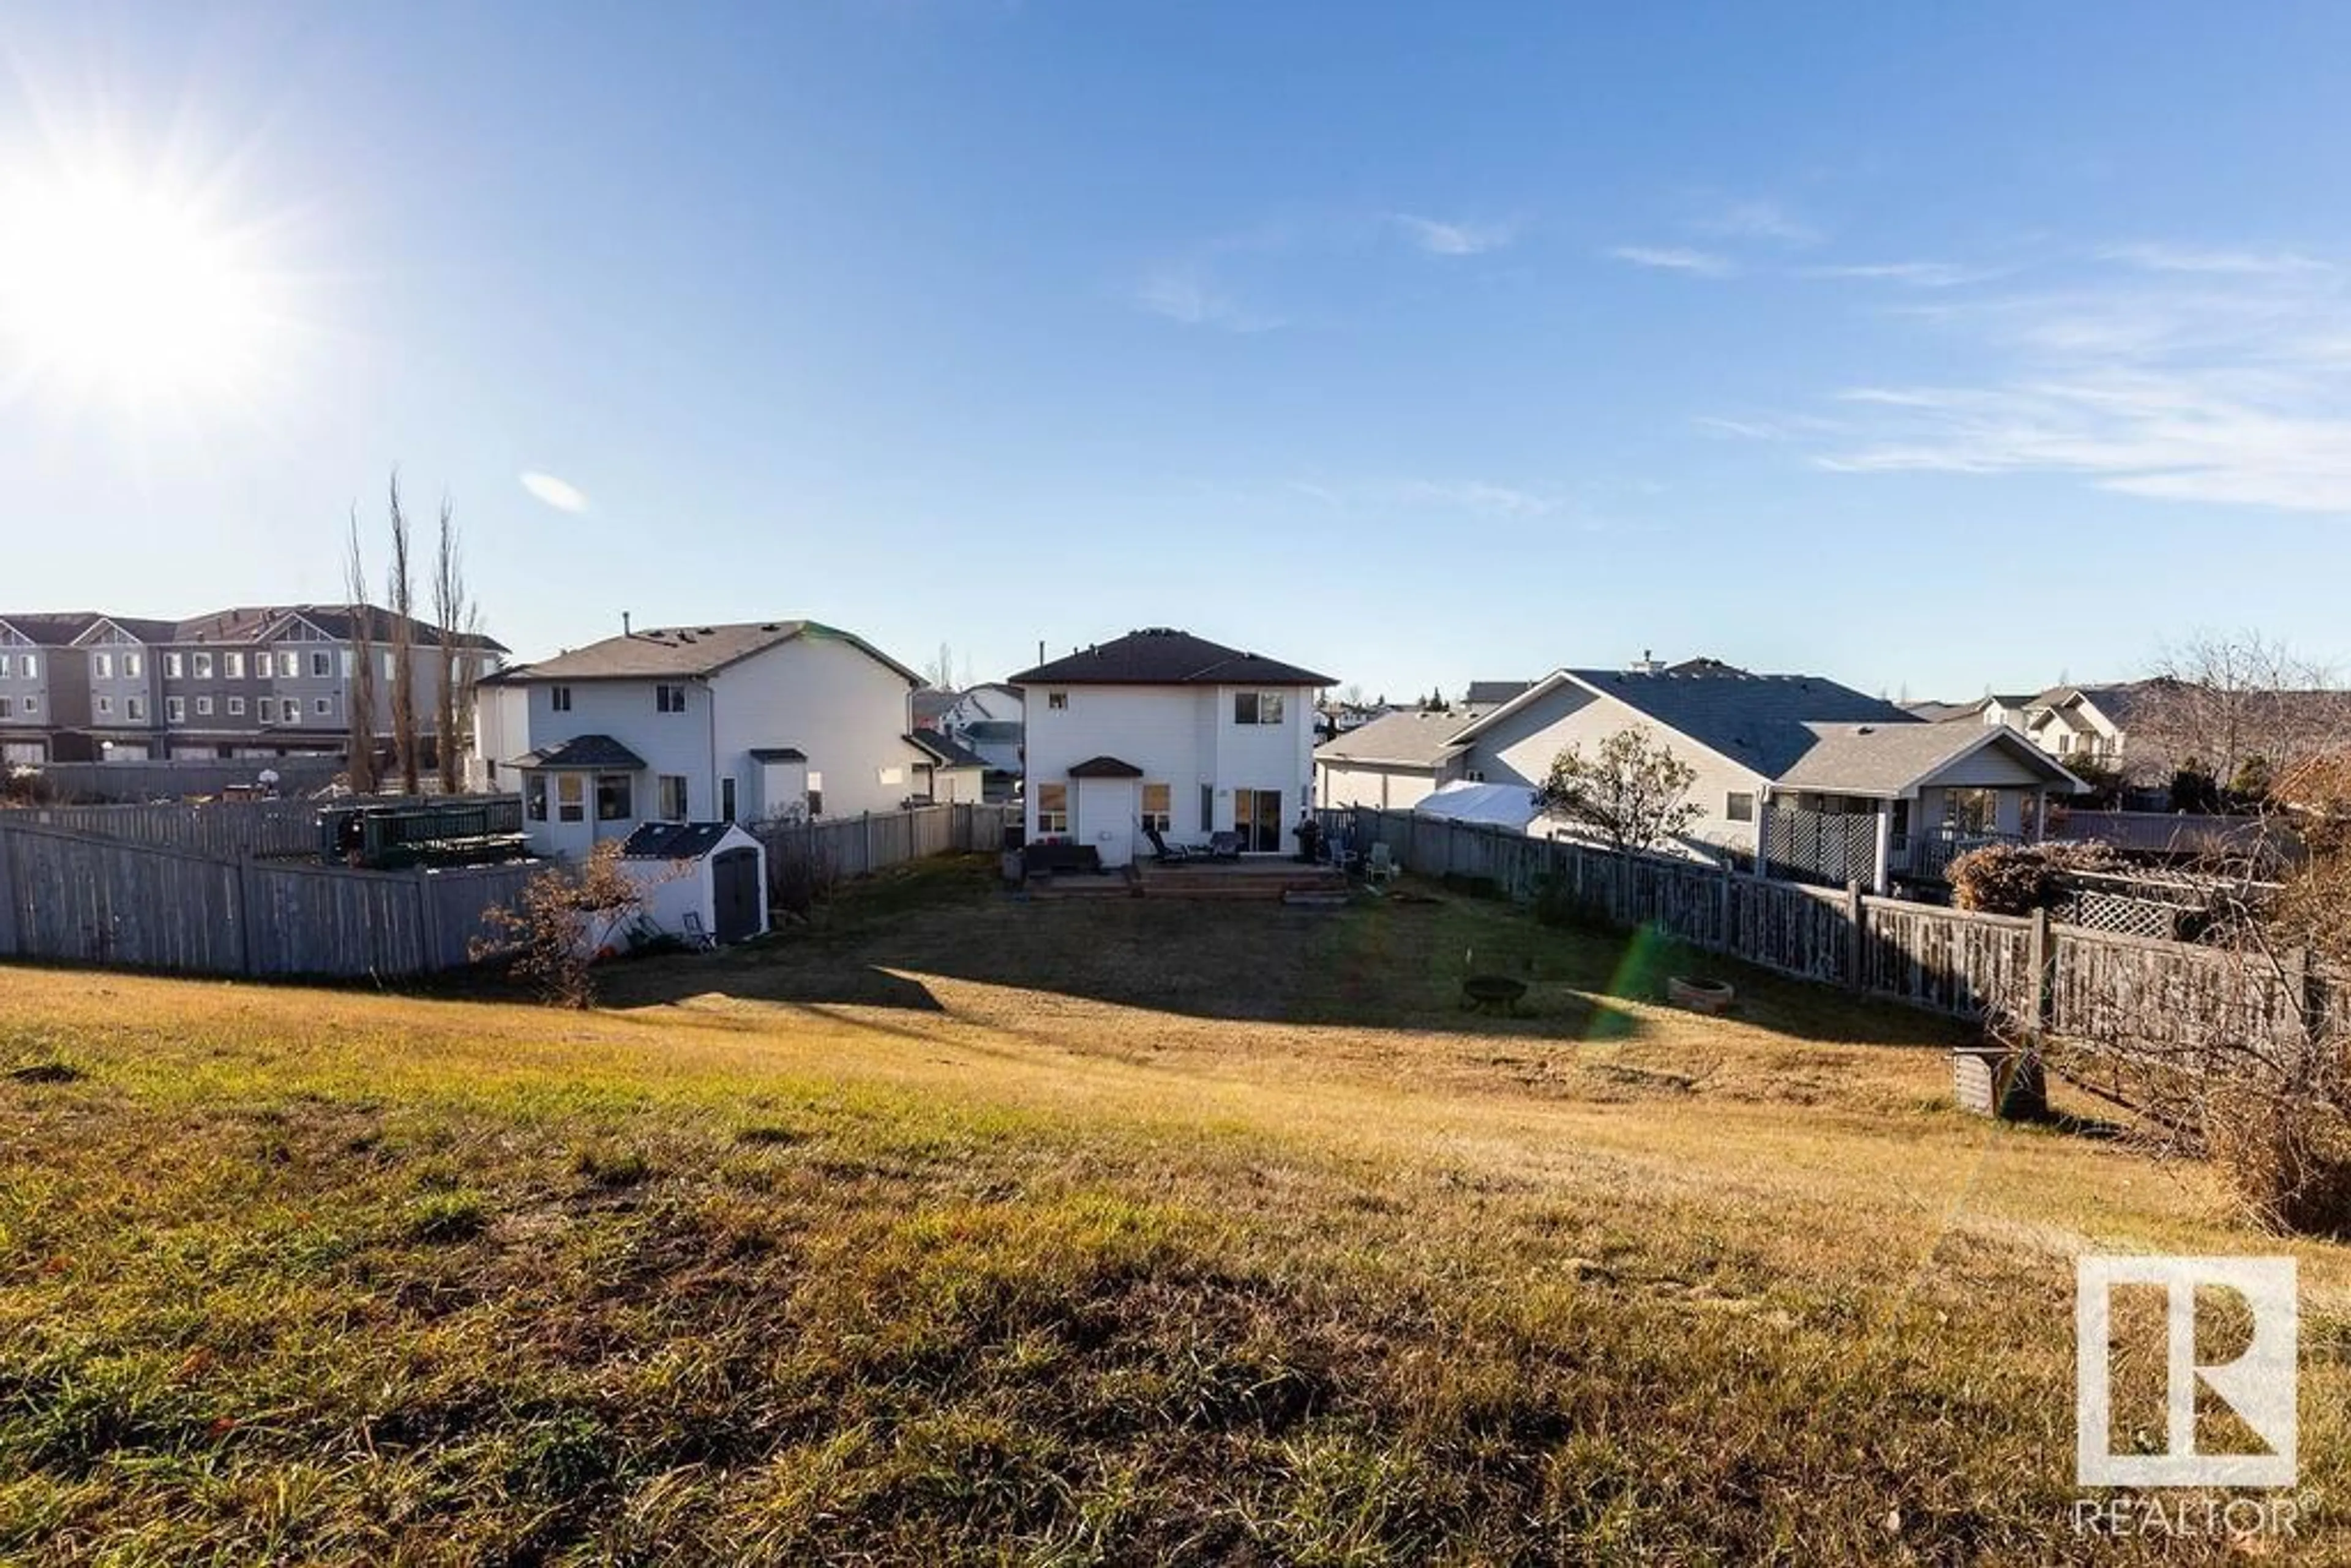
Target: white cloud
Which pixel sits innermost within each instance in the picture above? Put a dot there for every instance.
(1918, 273)
(1674, 258)
(2209, 383)
(2237, 262)
(559, 494)
(1759, 220)
(1186, 294)
(1455, 238)
(1480, 497)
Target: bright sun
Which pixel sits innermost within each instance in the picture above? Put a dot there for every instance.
(130, 291)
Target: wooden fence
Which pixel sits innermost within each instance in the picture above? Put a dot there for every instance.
(2110, 990)
(858, 846)
(224, 829)
(76, 897)
(169, 778)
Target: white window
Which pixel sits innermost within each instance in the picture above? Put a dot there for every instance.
(559, 698)
(265, 709)
(102, 666)
(571, 798)
(105, 708)
(233, 666)
(175, 710)
(1057, 701)
(6, 708)
(1158, 808)
(134, 665)
(727, 800)
(534, 796)
(347, 663)
(672, 796)
(236, 707)
(289, 664)
(1257, 707)
(387, 664)
(203, 665)
(134, 708)
(3, 666)
(1738, 806)
(890, 776)
(293, 714)
(32, 706)
(1052, 808)
(322, 663)
(323, 706)
(668, 698)
(173, 666)
(31, 669)
(204, 706)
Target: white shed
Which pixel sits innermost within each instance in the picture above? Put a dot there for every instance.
(713, 872)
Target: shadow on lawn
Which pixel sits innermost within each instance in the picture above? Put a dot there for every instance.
(1376, 964)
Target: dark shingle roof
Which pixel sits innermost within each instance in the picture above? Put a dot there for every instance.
(946, 750)
(1162, 656)
(686, 650)
(583, 751)
(251, 622)
(673, 841)
(1757, 721)
(1493, 694)
(1104, 768)
(778, 754)
(49, 629)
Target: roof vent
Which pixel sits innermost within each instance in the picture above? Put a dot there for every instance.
(770, 626)
(1864, 730)
(708, 631)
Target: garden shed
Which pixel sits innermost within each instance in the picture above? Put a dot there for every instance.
(700, 879)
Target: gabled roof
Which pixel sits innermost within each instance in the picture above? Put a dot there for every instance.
(689, 651)
(583, 751)
(1406, 738)
(1942, 712)
(674, 840)
(138, 628)
(1494, 694)
(1893, 760)
(945, 751)
(1163, 657)
(930, 704)
(1104, 768)
(1755, 722)
(260, 622)
(46, 629)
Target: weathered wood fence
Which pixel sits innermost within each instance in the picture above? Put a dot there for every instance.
(149, 779)
(2096, 986)
(857, 846)
(79, 897)
(224, 829)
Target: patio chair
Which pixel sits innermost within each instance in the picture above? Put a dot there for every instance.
(1381, 868)
(695, 938)
(1224, 846)
(1162, 851)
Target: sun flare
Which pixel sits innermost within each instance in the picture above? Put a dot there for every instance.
(128, 291)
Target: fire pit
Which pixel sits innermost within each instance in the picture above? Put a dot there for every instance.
(1492, 993)
(1698, 995)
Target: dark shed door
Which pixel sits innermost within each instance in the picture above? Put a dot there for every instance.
(736, 881)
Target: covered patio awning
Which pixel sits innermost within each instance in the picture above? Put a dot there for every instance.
(583, 753)
(1104, 768)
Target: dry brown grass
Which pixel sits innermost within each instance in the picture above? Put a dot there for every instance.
(962, 1228)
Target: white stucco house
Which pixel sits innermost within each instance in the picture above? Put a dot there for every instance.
(1829, 783)
(1164, 727)
(709, 724)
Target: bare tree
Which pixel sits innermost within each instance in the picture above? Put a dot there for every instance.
(1633, 793)
(360, 699)
(399, 591)
(942, 672)
(453, 614)
(2232, 705)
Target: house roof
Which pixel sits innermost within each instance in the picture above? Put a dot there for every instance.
(1941, 712)
(689, 651)
(1104, 768)
(583, 751)
(930, 704)
(994, 730)
(778, 754)
(255, 622)
(1493, 694)
(139, 628)
(1891, 759)
(947, 752)
(1406, 738)
(1757, 722)
(674, 840)
(1163, 657)
(49, 629)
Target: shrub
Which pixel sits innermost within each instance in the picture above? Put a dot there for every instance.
(2017, 878)
(556, 927)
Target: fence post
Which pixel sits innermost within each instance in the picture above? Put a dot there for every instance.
(242, 910)
(1723, 929)
(7, 892)
(428, 922)
(866, 839)
(1855, 937)
(2042, 959)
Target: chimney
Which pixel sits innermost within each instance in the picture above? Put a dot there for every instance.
(1647, 663)
(624, 625)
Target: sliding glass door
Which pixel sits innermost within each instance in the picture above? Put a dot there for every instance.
(1257, 818)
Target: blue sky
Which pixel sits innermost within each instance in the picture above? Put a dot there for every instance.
(1931, 348)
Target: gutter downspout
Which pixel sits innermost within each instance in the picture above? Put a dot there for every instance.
(710, 724)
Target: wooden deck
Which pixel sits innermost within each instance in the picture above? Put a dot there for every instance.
(1268, 877)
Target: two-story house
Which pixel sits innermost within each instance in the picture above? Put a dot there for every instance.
(1163, 729)
(44, 689)
(740, 722)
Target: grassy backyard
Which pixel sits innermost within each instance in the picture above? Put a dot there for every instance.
(1123, 1231)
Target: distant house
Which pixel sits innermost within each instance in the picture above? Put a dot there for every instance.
(987, 720)
(710, 724)
(950, 773)
(1163, 729)
(1904, 793)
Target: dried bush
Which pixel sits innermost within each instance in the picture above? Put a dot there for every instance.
(2017, 878)
(550, 928)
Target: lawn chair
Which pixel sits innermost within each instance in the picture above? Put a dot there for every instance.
(1224, 846)
(696, 937)
(1381, 869)
(1162, 851)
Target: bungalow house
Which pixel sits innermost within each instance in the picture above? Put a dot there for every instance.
(1395, 761)
(1808, 778)
(711, 723)
(950, 773)
(1163, 729)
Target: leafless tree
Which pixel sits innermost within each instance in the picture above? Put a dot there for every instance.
(360, 699)
(454, 614)
(399, 591)
(2234, 704)
(942, 672)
